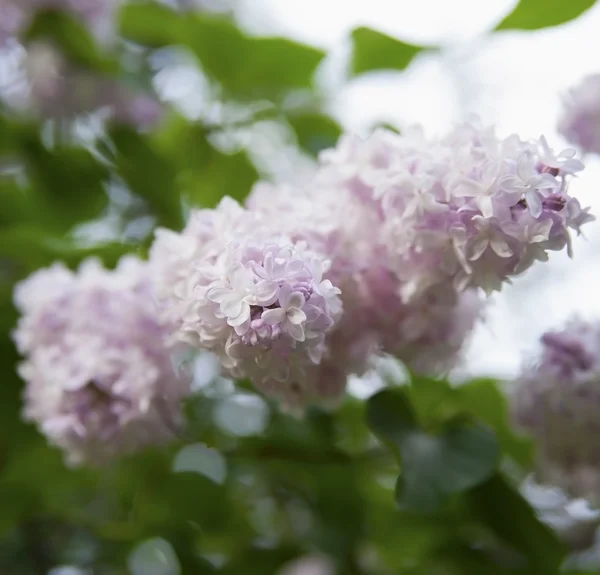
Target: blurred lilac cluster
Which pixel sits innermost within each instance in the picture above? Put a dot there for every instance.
(55, 87)
(100, 378)
(404, 227)
(16, 15)
(580, 119)
(556, 400)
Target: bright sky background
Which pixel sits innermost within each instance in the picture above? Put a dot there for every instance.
(512, 79)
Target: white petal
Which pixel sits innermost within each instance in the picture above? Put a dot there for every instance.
(232, 306)
(218, 293)
(242, 317)
(535, 203)
(478, 247)
(296, 331)
(295, 299)
(500, 247)
(466, 189)
(273, 316)
(544, 181)
(485, 205)
(295, 315)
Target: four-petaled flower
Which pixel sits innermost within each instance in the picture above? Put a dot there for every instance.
(289, 316)
(489, 235)
(565, 162)
(485, 189)
(528, 181)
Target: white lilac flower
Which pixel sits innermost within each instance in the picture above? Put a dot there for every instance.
(251, 295)
(580, 119)
(410, 228)
(100, 381)
(556, 401)
(470, 180)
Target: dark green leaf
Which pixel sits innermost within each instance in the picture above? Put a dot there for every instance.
(390, 415)
(482, 398)
(536, 14)
(503, 510)
(69, 183)
(148, 173)
(376, 51)
(434, 467)
(315, 132)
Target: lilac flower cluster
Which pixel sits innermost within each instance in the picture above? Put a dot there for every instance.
(469, 208)
(384, 251)
(580, 119)
(407, 229)
(254, 297)
(100, 380)
(556, 400)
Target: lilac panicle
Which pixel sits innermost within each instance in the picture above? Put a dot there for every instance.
(100, 381)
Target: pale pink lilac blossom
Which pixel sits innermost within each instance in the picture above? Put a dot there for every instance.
(556, 400)
(100, 380)
(251, 295)
(579, 122)
(411, 228)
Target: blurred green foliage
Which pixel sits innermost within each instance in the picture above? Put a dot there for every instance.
(431, 497)
(536, 14)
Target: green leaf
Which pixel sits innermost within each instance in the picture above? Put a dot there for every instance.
(391, 416)
(148, 173)
(246, 67)
(205, 174)
(219, 175)
(315, 132)
(377, 51)
(482, 398)
(72, 37)
(434, 467)
(434, 400)
(153, 25)
(250, 67)
(503, 509)
(31, 247)
(69, 183)
(536, 14)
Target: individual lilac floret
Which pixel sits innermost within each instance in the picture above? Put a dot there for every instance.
(556, 400)
(100, 381)
(580, 119)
